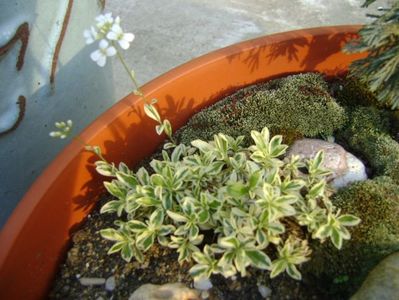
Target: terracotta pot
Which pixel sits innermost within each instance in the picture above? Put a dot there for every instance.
(34, 240)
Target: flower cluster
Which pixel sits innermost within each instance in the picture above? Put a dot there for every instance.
(109, 32)
(64, 129)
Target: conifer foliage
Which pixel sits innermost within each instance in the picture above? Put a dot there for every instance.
(380, 69)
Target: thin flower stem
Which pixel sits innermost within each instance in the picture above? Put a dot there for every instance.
(136, 86)
(88, 147)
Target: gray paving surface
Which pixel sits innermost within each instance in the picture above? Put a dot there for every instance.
(171, 32)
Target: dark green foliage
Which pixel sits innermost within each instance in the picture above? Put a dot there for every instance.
(380, 69)
(368, 135)
(295, 106)
(352, 91)
(368, 2)
(376, 202)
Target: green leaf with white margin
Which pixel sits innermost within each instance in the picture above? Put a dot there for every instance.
(112, 206)
(166, 230)
(177, 153)
(349, 220)
(229, 242)
(116, 247)
(323, 232)
(126, 252)
(159, 129)
(317, 189)
(177, 217)
(168, 127)
(114, 189)
(143, 176)
(203, 216)
(259, 259)
(261, 139)
(127, 179)
(152, 112)
(293, 272)
(278, 266)
(237, 189)
(199, 270)
(112, 234)
(318, 159)
(254, 179)
(276, 149)
(203, 146)
(145, 240)
(157, 217)
(136, 226)
(104, 168)
(241, 262)
(336, 238)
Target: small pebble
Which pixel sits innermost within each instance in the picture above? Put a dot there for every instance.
(203, 284)
(264, 291)
(204, 295)
(110, 284)
(87, 281)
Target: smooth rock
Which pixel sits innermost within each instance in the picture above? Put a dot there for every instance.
(204, 295)
(110, 283)
(382, 283)
(203, 284)
(169, 291)
(346, 168)
(264, 291)
(91, 281)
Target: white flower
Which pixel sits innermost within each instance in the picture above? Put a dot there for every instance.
(116, 34)
(104, 20)
(100, 55)
(90, 35)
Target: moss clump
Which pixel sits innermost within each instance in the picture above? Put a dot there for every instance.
(294, 106)
(351, 91)
(376, 202)
(368, 134)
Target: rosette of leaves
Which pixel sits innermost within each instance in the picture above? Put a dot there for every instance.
(380, 69)
(256, 207)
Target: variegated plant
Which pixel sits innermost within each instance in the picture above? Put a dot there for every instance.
(245, 198)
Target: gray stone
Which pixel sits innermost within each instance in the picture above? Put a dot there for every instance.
(345, 167)
(383, 281)
(169, 291)
(88, 281)
(264, 291)
(110, 283)
(204, 295)
(203, 284)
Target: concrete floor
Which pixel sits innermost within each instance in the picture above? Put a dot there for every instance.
(171, 32)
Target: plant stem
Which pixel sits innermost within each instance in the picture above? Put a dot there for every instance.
(136, 86)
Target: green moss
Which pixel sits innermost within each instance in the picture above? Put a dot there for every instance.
(368, 135)
(352, 91)
(295, 106)
(376, 202)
